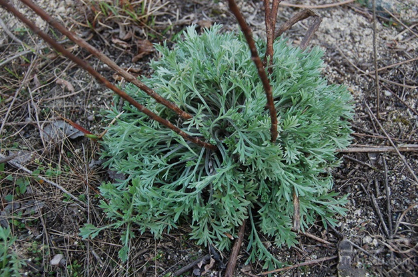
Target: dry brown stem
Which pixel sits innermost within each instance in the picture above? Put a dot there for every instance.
(311, 31)
(270, 20)
(235, 251)
(296, 212)
(258, 63)
(309, 235)
(293, 20)
(299, 265)
(129, 77)
(380, 149)
(83, 64)
(325, 6)
(298, 17)
(376, 73)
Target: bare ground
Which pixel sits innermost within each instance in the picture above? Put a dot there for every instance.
(37, 87)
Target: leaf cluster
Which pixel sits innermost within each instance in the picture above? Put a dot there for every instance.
(171, 181)
(10, 263)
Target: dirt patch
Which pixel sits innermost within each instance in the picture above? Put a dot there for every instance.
(382, 216)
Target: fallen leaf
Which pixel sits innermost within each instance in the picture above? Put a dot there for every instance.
(121, 43)
(209, 266)
(145, 47)
(65, 84)
(59, 130)
(22, 156)
(36, 81)
(117, 77)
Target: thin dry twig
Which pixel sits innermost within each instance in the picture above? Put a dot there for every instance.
(129, 77)
(235, 251)
(293, 20)
(83, 64)
(21, 167)
(311, 31)
(309, 235)
(360, 162)
(191, 265)
(270, 20)
(380, 149)
(376, 74)
(261, 70)
(379, 213)
(398, 222)
(392, 143)
(388, 205)
(325, 6)
(317, 261)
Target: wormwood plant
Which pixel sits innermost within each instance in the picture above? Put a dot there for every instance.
(172, 181)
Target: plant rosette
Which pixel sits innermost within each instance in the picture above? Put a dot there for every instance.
(172, 181)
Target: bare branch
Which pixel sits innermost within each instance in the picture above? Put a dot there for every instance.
(106, 60)
(19, 166)
(293, 20)
(380, 149)
(83, 64)
(311, 31)
(299, 17)
(235, 251)
(270, 20)
(261, 71)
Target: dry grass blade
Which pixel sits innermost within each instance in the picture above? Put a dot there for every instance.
(293, 20)
(398, 222)
(235, 251)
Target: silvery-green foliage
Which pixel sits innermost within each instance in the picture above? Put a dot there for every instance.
(172, 181)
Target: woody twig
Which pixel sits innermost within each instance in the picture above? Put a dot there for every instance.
(298, 17)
